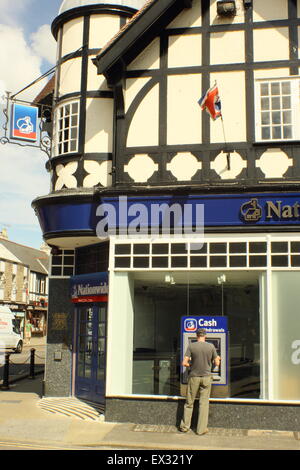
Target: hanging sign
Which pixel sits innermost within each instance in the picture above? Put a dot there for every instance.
(24, 122)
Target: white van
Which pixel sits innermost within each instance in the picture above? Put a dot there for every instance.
(10, 335)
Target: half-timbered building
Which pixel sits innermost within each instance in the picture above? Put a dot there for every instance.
(130, 137)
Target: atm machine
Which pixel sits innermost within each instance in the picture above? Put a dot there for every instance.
(217, 334)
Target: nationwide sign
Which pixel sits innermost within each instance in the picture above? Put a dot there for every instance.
(226, 210)
(89, 288)
(24, 122)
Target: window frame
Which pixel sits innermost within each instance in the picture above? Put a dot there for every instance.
(294, 109)
(63, 139)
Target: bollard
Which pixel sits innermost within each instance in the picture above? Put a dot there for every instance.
(31, 371)
(5, 385)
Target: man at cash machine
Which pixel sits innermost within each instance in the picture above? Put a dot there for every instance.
(199, 358)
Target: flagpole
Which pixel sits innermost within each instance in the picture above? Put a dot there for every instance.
(225, 141)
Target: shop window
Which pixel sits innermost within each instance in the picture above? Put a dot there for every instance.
(277, 110)
(157, 341)
(285, 364)
(66, 125)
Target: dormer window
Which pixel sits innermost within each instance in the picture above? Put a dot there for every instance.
(277, 110)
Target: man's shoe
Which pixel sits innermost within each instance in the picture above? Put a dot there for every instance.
(183, 429)
(202, 433)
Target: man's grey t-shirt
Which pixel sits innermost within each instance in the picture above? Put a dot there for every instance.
(202, 355)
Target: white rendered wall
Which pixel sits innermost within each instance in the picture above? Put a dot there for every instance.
(120, 335)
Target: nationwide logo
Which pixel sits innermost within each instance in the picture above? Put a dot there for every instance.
(251, 211)
(190, 324)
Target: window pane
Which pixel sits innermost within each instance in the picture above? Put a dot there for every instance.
(276, 117)
(74, 108)
(275, 103)
(265, 118)
(73, 145)
(287, 117)
(286, 102)
(73, 133)
(275, 88)
(264, 89)
(276, 132)
(286, 88)
(287, 132)
(74, 121)
(265, 103)
(265, 133)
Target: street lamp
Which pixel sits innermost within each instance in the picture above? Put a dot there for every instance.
(225, 8)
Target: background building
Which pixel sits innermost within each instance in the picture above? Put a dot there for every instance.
(24, 282)
(126, 122)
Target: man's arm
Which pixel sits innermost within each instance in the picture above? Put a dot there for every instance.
(186, 361)
(217, 361)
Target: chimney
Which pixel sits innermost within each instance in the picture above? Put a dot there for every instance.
(4, 234)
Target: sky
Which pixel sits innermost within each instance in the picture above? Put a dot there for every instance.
(27, 50)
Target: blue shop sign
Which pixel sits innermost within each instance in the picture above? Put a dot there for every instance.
(238, 210)
(212, 324)
(89, 287)
(24, 122)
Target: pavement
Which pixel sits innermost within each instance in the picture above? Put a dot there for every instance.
(28, 419)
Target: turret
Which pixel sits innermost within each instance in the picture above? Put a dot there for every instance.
(83, 103)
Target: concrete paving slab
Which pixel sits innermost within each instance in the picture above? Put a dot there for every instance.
(22, 420)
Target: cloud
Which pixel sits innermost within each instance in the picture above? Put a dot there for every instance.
(11, 15)
(43, 43)
(19, 65)
(23, 176)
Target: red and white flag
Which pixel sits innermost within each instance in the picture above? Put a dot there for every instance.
(211, 103)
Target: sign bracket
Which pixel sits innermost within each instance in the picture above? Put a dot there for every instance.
(43, 139)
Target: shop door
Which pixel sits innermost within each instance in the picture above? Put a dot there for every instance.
(91, 352)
